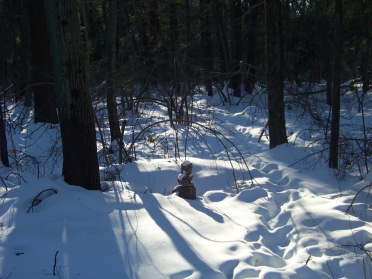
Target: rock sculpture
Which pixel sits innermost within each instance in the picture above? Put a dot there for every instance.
(186, 188)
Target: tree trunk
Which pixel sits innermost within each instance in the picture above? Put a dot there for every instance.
(174, 30)
(175, 43)
(42, 66)
(111, 73)
(206, 43)
(3, 140)
(26, 58)
(274, 78)
(335, 125)
(187, 21)
(16, 22)
(236, 41)
(326, 47)
(366, 56)
(222, 47)
(80, 163)
(4, 77)
(252, 27)
(154, 30)
(4, 48)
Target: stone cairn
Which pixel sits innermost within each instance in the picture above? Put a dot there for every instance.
(186, 188)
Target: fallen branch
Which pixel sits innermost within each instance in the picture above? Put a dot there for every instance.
(55, 264)
(263, 131)
(40, 197)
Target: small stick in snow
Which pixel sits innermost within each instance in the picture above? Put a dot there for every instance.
(55, 264)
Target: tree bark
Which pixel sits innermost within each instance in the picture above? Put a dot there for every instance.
(4, 48)
(111, 71)
(337, 57)
(174, 30)
(4, 54)
(175, 43)
(274, 78)
(26, 58)
(3, 139)
(206, 43)
(221, 37)
(236, 41)
(366, 56)
(154, 30)
(325, 49)
(80, 163)
(16, 23)
(252, 27)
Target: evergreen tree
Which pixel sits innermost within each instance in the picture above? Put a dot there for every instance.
(274, 72)
(336, 81)
(80, 163)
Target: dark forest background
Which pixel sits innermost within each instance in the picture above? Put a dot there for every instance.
(64, 54)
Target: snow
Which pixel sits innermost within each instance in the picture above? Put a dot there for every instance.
(289, 219)
(186, 163)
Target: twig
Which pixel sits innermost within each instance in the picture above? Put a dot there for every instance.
(330, 270)
(55, 264)
(6, 187)
(360, 247)
(356, 195)
(306, 157)
(316, 223)
(263, 131)
(104, 147)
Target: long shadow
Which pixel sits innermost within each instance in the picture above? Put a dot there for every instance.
(134, 253)
(199, 206)
(153, 207)
(68, 235)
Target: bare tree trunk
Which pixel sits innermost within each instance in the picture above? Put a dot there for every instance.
(326, 47)
(26, 58)
(337, 57)
(5, 47)
(274, 78)
(252, 27)
(221, 37)
(236, 41)
(111, 73)
(366, 57)
(206, 43)
(154, 31)
(187, 21)
(175, 37)
(173, 21)
(3, 140)
(16, 21)
(4, 53)
(80, 162)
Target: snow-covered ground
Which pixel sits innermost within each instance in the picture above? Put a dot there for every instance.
(259, 213)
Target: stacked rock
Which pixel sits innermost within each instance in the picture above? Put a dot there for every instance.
(186, 188)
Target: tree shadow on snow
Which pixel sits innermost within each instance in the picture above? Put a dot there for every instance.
(184, 248)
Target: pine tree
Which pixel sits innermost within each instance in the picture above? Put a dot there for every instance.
(80, 162)
(274, 71)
